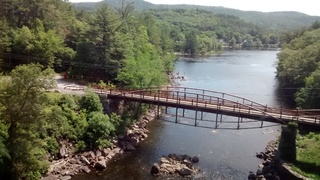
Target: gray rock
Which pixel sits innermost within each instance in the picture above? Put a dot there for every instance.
(259, 172)
(185, 171)
(195, 159)
(63, 151)
(105, 152)
(164, 160)
(155, 169)
(65, 178)
(260, 166)
(129, 132)
(110, 155)
(120, 137)
(116, 150)
(50, 177)
(100, 158)
(84, 160)
(251, 176)
(100, 165)
(73, 161)
(130, 147)
(86, 169)
(122, 143)
(98, 153)
(92, 155)
(188, 163)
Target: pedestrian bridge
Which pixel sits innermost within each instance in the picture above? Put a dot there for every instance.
(208, 101)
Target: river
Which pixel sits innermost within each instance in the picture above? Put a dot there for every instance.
(224, 153)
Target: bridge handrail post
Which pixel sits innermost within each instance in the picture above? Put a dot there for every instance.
(281, 112)
(158, 95)
(179, 100)
(177, 96)
(197, 99)
(192, 102)
(205, 104)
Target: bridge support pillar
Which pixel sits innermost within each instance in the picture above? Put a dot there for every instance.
(195, 121)
(166, 111)
(201, 115)
(177, 115)
(217, 115)
(261, 123)
(183, 111)
(158, 112)
(238, 123)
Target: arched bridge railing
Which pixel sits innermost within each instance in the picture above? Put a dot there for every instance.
(196, 98)
(216, 102)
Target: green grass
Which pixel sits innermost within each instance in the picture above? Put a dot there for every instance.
(308, 156)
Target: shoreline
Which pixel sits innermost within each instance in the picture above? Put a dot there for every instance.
(86, 162)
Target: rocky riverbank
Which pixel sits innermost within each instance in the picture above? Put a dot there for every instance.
(71, 164)
(268, 168)
(175, 165)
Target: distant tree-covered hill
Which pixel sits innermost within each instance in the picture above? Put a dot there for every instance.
(273, 21)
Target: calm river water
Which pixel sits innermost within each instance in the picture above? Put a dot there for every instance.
(224, 153)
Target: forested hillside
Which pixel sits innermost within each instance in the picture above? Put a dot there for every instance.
(298, 67)
(273, 21)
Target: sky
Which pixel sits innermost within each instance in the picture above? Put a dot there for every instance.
(310, 7)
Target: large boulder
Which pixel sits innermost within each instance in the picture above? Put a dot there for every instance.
(84, 160)
(185, 171)
(100, 165)
(130, 147)
(86, 169)
(98, 153)
(195, 159)
(65, 178)
(155, 169)
(63, 151)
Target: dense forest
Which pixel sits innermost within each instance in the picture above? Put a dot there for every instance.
(118, 46)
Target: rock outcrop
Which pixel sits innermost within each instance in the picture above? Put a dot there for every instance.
(268, 168)
(175, 165)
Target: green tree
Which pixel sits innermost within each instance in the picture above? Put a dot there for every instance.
(99, 130)
(145, 67)
(91, 102)
(191, 43)
(309, 95)
(22, 101)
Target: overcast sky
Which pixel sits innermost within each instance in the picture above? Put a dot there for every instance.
(310, 7)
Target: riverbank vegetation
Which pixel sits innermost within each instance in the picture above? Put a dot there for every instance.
(308, 155)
